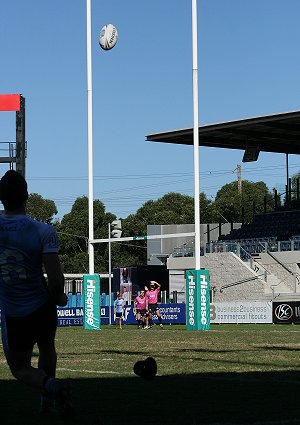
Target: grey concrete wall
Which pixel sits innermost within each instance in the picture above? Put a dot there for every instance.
(290, 259)
(225, 268)
(166, 246)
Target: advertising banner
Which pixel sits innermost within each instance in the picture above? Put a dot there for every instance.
(74, 316)
(170, 313)
(197, 300)
(286, 312)
(91, 296)
(232, 312)
(241, 312)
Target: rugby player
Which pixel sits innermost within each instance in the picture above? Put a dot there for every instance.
(141, 310)
(28, 303)
(119, 310)
(151, 301)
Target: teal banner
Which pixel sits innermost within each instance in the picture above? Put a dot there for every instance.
(197, 300)
(91, 293)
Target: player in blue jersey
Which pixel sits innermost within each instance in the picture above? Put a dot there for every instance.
(119, 310)
(28, 302)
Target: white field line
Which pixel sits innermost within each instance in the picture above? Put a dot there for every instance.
(280, 422)
(99, 372)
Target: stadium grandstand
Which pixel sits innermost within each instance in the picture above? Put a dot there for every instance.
(256, 260)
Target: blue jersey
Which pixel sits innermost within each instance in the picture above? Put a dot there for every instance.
(119, 304)
(23, 241)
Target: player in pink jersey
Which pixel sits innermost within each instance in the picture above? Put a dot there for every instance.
(152, 299)
(141, 310)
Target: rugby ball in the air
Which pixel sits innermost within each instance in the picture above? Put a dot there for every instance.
(108, 37)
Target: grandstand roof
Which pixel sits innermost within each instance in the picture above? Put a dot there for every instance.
(269, 133)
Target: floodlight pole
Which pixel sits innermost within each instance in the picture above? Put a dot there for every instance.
(109, 272)
(90, 134)
(196, 136)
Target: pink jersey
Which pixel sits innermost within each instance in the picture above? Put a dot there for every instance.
(140, 303)
(152, 296)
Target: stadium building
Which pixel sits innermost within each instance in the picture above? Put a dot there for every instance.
(257, 261)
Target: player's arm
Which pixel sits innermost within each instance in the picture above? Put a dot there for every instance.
(56, 281)
(156, 283)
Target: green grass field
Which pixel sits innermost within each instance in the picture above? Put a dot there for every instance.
(233, 374)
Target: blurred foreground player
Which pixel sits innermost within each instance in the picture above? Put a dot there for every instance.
(28, 303)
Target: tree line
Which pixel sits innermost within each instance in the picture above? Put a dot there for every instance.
(231, 204)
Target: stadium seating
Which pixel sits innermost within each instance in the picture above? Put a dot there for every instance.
(281, 225)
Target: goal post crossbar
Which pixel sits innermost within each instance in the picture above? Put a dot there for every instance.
(142, 238)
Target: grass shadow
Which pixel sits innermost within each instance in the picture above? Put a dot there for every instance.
(208, 398)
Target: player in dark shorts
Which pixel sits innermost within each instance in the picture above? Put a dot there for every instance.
(27, 301)
(141, 310)
(119, 310)
(152, 298)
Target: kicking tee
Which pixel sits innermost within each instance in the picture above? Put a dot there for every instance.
(152, 296)
(140, 303)
(23, 241)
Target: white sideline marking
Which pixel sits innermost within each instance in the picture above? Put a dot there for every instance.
(100, 372)
(280, 422)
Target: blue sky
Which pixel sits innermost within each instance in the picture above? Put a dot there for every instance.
(248, 60)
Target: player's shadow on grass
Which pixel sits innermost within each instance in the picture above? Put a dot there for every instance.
(208, 398)
(279, 348)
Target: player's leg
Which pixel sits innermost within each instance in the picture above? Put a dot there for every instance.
(143, 320)
(159, 317)
(47, 357)
(56, 394)
(19, 363)
(46, 324)
(47, 362)
(138, 316)
(18, 342)
(147, 320)
(150, 318)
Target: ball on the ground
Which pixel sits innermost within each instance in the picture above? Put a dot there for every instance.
(146, 369)
(108, 37)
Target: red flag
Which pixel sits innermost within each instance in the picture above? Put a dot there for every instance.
(10, 102)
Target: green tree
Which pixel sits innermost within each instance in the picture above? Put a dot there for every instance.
(229, 202)
(41, 209)
(294, 179)
(74, 232)
(172, 208)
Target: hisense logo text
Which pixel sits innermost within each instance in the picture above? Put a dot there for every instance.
(203, 292)
(191, 300)
(90, 302)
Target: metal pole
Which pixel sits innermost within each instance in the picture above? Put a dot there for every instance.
(90, 134)
(109, 273)
(196, 137)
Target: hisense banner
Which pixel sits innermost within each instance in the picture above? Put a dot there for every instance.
(197, 300)
(91, 295)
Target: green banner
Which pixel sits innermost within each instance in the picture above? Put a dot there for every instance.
(197, 300)
(91, 293)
